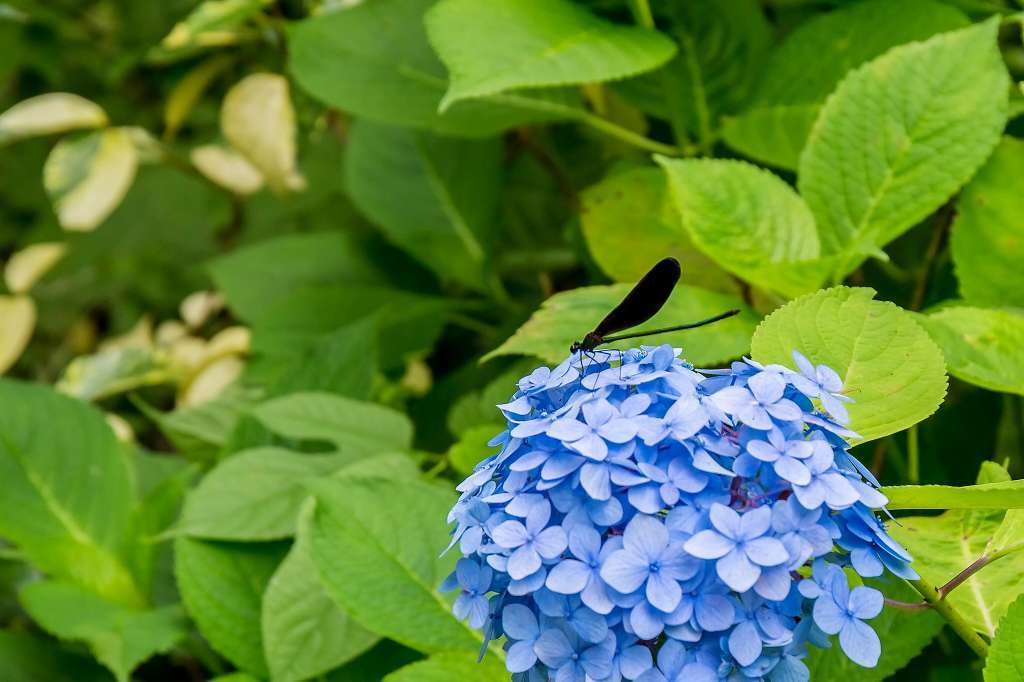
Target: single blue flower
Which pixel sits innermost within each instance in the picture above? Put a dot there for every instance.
(601, 424)
(801, 531)
(675, 664)
(740, 545)
(841, 611)
(520, 624)
(571, 658)
(758, 403)
(582, 575)
(475, 581)
(786, 456)
(821, 382)
(531, 541)
(630, 659)
(827, 485)
(591, 626)
(648, 560)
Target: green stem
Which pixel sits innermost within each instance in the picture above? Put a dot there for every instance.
(605, 126)
(956, 621)
(913, 456)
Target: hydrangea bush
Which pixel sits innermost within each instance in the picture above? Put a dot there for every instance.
(648, 521)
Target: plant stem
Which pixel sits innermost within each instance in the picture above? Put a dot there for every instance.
(913, 456)
(956, 621)
(624, 134)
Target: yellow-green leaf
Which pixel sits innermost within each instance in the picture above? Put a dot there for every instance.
(17, 322)
(25, 267)
(981, 346)
(55, 112)
(227, 168)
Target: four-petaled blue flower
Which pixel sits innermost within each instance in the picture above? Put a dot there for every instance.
(531, 541)
(740, 545)
(842, 611)
(648, 560)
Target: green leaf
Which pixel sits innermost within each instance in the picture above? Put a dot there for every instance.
(1009, 537)
(567, 316)
(254, 495)
(864, 190)
(255, 277)
(374, 61)
(981, 346)
(1005, 660)
(478, 408)
(535, 43)
(258, 120)
(988, 236)
(444, 667)
(449, 189)
(87, 177)
(305, 633)
(1002, 495)
(26, 658)
(115, 370)
(204, 427)
(213, 23)
(353, 426)
(789, 95)
(749, 221)
(904, 633)
(472, 447)
(640, 196)
(889, 366)
(120, 637)
(222, 586)
(376, 543)
(67, 501)
(55, 112)
(722, 46)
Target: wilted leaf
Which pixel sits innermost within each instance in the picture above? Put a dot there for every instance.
(56, 112)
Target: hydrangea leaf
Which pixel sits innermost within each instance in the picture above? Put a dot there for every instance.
(788, 95)
(1009, 537)
(352, 426)
(1005, 660)
(749, 221)
(68, 515)
(375, 542)
(904, 635)
(27, 657)
(982, 346)
(87, 177)
(640, 196)
(374, 61)
(222, 586)
(444, 667)
(944, 545)
(999, 495)
(17, 322)
(567, 316)
(120, 637)
(449, 189)
(305, 633)
(254, 495)
(722, 46)
(258, 120)
(55, 112)
(988, 234)
(865, 192)
(889, 365)
(535, 43)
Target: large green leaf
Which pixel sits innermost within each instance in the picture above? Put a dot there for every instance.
(254, 495)
(889, 366)
(722, 46)
(1005, 660)
(988, 234)
(445, 667)
(903, 633)
(449, 189)
(1000, 495)
(567, 316)
(87, 177)
(305, 633)
(254, 277)
(749, 221)
(374, 60)
(222, 586)
(376, 542)
(353, 426)
(900, 135)
(67, 493)
(27, 658)
(640, 197)
(120, 637)
(981, 346)
(535, 43)
(789, 95)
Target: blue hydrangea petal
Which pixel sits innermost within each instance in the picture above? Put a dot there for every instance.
(714, 612)
(774, 583)
(765, 551)
(745, 643)
(726, 521)
(569, 577)
(865, 602)
(634, 661)
(551, 542)
(860, 642)
(754, 523)
(737, 571)
(828, 615)
(519, 622)
(520, 657)
(624, 571)
(590, 626)
(663, 592)
(709, 544)
(553, 648)
(792, 470)
(523, 562)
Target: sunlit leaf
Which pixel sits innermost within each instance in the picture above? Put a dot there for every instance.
(17, 322)
(188, 91)
(982, 346)
(1005, 660)
(1001, 495)
(451, 666)
(56, 112)
(227, 168)
(25, 267)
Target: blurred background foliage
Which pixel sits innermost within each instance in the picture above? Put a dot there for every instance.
(245, 249)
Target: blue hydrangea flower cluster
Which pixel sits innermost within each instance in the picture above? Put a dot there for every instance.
(647, 521)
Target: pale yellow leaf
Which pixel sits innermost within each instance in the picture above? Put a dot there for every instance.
(189, 89)
(199, 306)
(17, 321)
(25, 267)
(211, 381)
(227, 168)
(258, 120)
(88, 177)
(55, 112)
